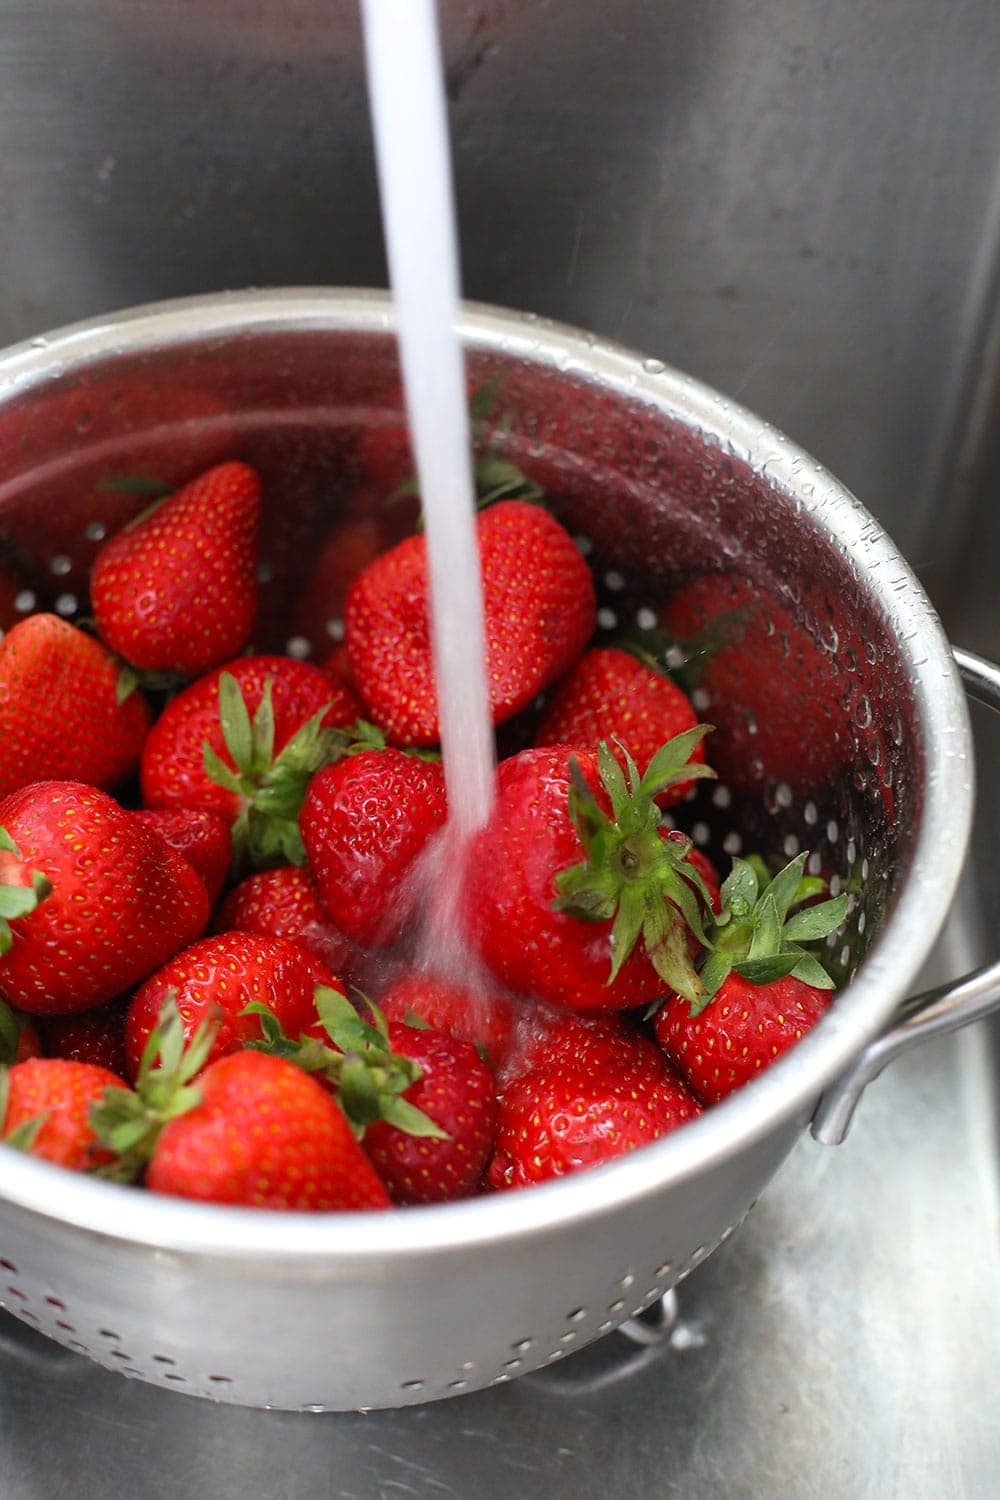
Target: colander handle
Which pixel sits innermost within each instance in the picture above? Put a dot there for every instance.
(933, 1013)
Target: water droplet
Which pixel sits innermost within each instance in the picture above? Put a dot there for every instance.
(653, 366)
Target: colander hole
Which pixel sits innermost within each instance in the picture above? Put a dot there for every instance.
(265, 572)
(607, 618)
(67, 1327)
(569, 1337)
(335, 629)
(852, 851)
(164, 1359)
(721, 796)
(783, 794)
(832, 832)
(617, 1306)
(177, 1379)
(470, 1364)
(701, 833)
(95, 531)
(605, 1327)
(413, 1385)
(835, 885)
(520, 1346)
(627, 1280)
(500, 1379)
(700, 700)
(55, 1302)
(814, 863)
(15, 1291)
(664, 1269)
(131, 1371)
(614, 580)
(790, 844)
(809, 814)
(75, 1345)
(298, 647)
(577, 1315)
(25, 601)
(119, 1354)
(9, 1265)
(845, 955)
(645, 618)
(583, 545)
(66, 604)
(221, 1379)
(60, 565)
(733, 842)
(108, 1333)
(864, 868)
(457, 1385)
(513, 1364)
(556, 1354)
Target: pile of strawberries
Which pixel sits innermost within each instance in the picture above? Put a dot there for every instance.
(241, 958)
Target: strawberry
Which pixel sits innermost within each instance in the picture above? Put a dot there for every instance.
(109, 900)
(349, 546)
(264, 1135)
(764, 679)
(200, 836)
(364, 822)
(742, 1030)
(45, 1108)
(571, 870)
(422, 1103)
(762, 986)
(243, 742)
(456, 1091)
(61, 711)
(216, 979)
(578, 1110)
(485, 1019)
(285, 903)
(611, 695)
(539, 612)
(176, 589)
(91, 1036)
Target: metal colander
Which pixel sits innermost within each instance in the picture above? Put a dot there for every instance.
(663, 482)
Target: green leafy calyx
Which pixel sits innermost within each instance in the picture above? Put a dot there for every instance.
(359, 1065)
(763, 931)
(18, 900)
(631, 875)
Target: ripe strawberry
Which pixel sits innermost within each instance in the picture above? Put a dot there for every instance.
(539, 612)
(176, 590)
(455, 1090)
(571, 870)
(264, 1135)
(200, 836)
(485, 1019)
(92, 1036)
(111, 901)
(578, 1111)
(762, 989)
(216, 979)
(741, 1031)
(611, 695)
(364, 822)
(285, 903)
(243, 742)
(349, 546)
(60, 713)
(46, 1111)
(759, 670)
(543, 1033)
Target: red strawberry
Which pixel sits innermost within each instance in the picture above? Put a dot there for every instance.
(484, 1019)
(113, 900)
(285, 903)
(611, 695)
(456, 1091)
(60, 713)
(200, 836)
(264, 1135)
(742, 1030)
(364, 822)
(216, 979)
(93, 1036)
(569, 873)
(264, 721)
(759, 669)
(538, 599)
(349, 547)
(762, 989)
(578, 1111)
(47, 1114)
(176, 589)
(543, 1033)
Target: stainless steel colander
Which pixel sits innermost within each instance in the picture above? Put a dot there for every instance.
(662, 480)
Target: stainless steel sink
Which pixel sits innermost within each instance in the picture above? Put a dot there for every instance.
(799, 203)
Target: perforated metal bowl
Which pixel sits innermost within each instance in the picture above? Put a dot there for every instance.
(662, 480)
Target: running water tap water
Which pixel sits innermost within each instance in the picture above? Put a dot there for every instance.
(406, 90)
